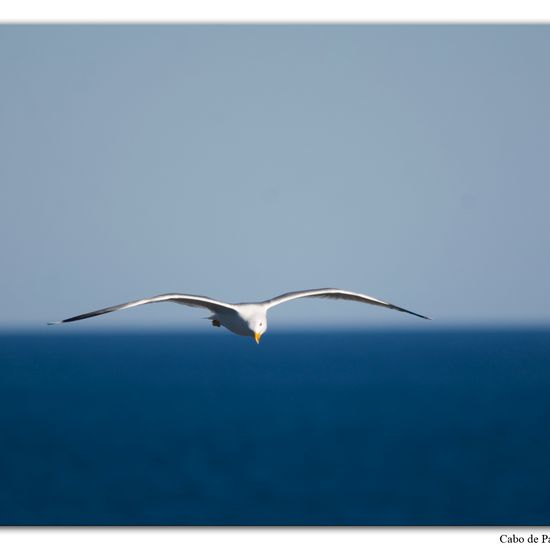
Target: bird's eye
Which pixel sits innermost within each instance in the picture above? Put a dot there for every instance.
(261, 324)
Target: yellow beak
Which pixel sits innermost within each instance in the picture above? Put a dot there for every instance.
(257, 336)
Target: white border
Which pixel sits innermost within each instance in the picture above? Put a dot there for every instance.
(267, 538)
(282, 11)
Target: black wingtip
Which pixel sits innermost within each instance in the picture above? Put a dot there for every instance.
(54, 322)
(424, 317)
(415, 314)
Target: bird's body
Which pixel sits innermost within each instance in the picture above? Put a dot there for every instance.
(238, 320)
(248, 318)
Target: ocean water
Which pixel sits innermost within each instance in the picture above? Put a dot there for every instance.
(360, 428)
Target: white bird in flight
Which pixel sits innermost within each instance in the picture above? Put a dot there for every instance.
(245, 319)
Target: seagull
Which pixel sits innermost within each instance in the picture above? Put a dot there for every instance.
(247, 318)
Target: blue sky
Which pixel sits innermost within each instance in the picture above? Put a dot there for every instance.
(407, 162)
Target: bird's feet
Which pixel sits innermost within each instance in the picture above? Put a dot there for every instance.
(216, 323)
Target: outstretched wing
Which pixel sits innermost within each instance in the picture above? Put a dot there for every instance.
(335, 294)
(184, 299)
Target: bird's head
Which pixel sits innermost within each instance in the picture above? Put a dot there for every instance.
(258, 325)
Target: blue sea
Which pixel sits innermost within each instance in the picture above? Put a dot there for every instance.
(443, 427)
